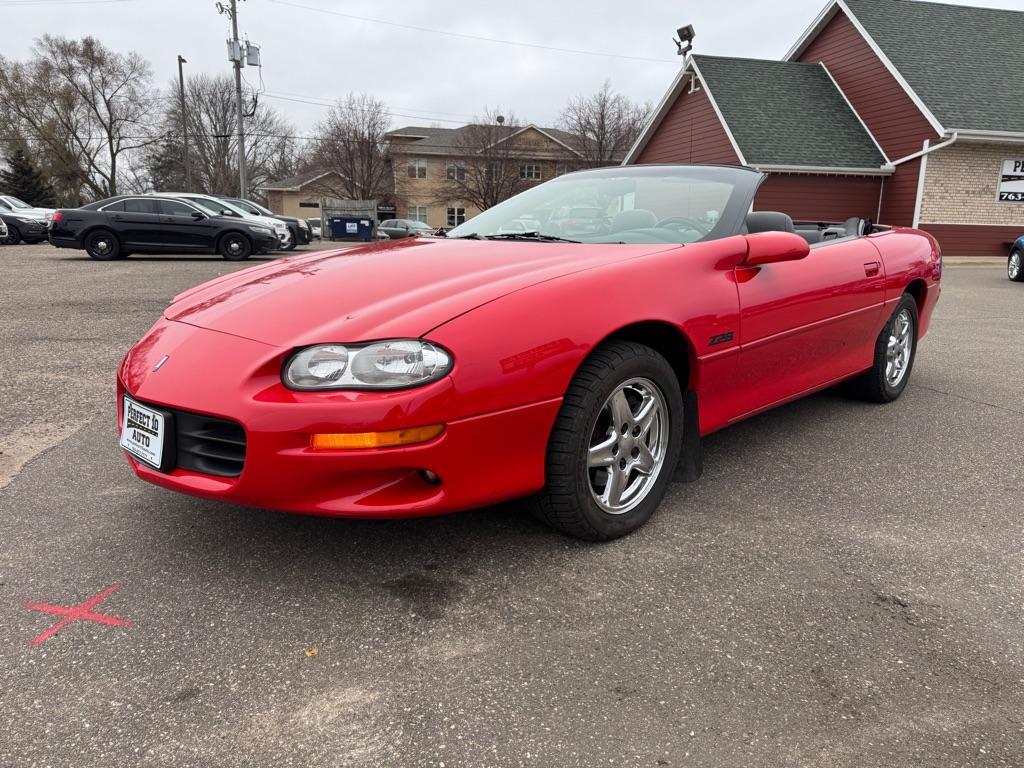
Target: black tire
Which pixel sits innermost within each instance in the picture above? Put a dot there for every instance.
(568, 501)
(1015, 265)
(102, 245)
(875, 385)
(234, 246)
(13, 236)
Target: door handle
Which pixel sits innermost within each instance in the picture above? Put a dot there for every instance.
(871, 268)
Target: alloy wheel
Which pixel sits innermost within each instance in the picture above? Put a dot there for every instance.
(628, 444)
(899, 348)
(1014, 266)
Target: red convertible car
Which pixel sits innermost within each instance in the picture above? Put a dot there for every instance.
(429, 375)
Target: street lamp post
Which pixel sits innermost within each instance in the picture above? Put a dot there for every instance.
(184, 122)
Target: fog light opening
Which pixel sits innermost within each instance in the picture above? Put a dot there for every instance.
(430, 477)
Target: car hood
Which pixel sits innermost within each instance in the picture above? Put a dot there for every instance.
(394, 289)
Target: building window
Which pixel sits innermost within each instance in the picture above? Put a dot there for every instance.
(455, 171)
(418, 169)
(417, 213)
(309, 205)
(456, 216)
(531, 172)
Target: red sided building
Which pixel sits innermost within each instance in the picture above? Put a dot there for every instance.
(896, 110)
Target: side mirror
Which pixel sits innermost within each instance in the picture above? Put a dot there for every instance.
(226, 212)
(197, 216)
(773, 247)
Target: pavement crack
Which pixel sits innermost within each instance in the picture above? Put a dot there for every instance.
(970, 399)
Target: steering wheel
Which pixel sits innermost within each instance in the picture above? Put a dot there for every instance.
(678, 222)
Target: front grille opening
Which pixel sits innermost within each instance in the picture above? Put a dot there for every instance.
(209, 445)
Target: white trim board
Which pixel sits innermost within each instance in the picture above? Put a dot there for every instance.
(822, 21)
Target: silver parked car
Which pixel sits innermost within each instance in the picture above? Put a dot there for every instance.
(399, 228)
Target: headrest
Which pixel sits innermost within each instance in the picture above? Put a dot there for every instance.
(769, 221)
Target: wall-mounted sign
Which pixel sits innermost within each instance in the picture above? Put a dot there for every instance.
(1011, 182)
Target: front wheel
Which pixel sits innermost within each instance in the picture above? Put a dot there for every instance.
(614, 445)
(1015, 266)
(290, 242)
(235, 246)
(895, 350)
(102, 245)
(13, 236)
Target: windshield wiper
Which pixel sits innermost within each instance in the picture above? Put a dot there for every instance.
(470, 236)
(531, 236)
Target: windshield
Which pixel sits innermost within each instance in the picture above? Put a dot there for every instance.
(632, 204)
(250, 207)
(216, 206)
(14, 202)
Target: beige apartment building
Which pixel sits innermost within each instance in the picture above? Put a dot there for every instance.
(429, 164)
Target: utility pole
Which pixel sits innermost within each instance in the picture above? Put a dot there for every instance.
(235, 54)
(184, 123)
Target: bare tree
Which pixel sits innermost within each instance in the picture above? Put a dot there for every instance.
(88, 106)
(485, 168)
(270, 149)
(351, 141)
(605, 124)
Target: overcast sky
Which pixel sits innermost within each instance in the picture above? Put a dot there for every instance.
(427, 77)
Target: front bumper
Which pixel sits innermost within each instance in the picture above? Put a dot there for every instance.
(32, 229)
(480, 459)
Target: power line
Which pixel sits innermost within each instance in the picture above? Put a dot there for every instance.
(466, 36)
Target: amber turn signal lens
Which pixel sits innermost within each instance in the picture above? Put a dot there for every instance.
(352, 440)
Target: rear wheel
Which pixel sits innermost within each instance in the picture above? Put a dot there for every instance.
(13, 236)
(290, 243)
(895, 350)
(614, 445)
(1015, 266)
(102, 245)
(235, 246)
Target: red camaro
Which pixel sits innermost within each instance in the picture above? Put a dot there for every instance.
(577, 368)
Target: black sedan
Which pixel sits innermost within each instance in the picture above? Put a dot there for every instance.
(118, 226)
(301, 234)
(20, 227)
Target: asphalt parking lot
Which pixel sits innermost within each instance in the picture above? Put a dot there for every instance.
(844, 587)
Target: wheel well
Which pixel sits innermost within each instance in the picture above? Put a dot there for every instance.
(669, 342)
(918, 289)
(97, 228)
(222, 235)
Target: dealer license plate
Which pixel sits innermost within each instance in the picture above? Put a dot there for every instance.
(143, 433)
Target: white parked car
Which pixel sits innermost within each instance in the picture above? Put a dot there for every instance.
(220, 207)
(16, 207)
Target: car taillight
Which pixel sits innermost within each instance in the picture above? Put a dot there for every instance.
(58, 216)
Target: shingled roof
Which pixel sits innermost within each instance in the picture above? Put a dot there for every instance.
(960, 61)
(788, 114)
(442, 141)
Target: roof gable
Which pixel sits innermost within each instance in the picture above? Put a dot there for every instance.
(296, 183)
(951, 59)
(788, 114)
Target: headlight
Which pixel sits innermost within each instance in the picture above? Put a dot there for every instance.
(394, 364)
(260, 230)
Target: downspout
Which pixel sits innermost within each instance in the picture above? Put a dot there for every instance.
(923, 154)
(926, 151)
